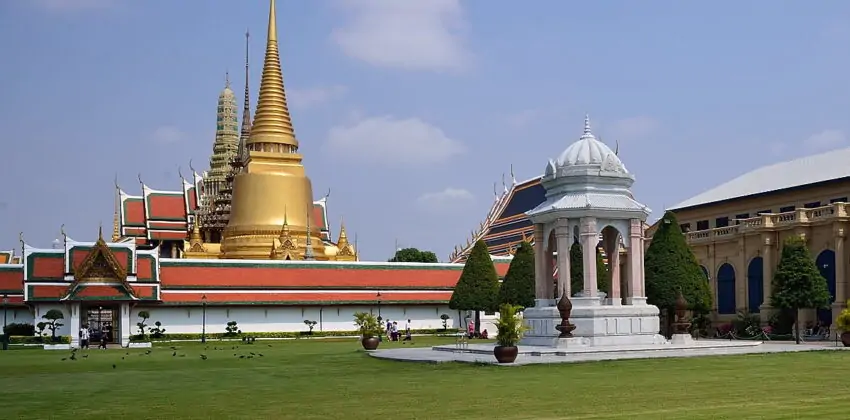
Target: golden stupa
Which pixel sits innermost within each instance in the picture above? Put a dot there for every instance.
(272, 195)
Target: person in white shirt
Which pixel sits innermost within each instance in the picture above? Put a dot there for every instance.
(84, 337)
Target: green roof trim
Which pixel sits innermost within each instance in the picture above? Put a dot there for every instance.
(31, 264)
(162, 219)
(12, 291)
(12, 267)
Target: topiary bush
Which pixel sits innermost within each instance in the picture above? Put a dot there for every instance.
(19, 329)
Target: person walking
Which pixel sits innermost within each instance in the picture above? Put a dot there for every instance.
(84, 337)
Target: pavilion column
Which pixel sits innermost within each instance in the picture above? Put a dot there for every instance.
(589, 241)
(625, 273)
(768, 265)
(563, 240)
(840, 303)
(540, 276)
(613, 252)
(636, 259)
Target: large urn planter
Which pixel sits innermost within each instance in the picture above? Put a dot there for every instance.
(505, 354)
(370, 343)
(845, 338)
(140, 345)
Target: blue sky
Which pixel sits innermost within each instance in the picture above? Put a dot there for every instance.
(410, 111)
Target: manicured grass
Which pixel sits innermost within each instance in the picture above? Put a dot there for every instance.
(327, 379)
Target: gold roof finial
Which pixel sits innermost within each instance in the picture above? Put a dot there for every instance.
(99, 232)
(272, 122)
(342, 242)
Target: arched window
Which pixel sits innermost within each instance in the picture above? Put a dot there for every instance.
(726, 289)
(755, 284)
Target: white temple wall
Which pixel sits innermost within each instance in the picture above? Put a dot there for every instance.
(188, 319)
(42, 308)
(20, 316)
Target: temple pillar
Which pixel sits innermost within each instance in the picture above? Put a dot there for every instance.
(613, 252)
(74, 311)
(839, 233)
(636, 262)
(562, 238)
(742, 287)
(125, 324)
(540, 276)
(767, 275)
(589, 242)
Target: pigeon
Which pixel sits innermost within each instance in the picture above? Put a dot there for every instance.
(85, 356)
(173, 348)
(122, 357)
(174, 354)
(260, 354)
(253, 354)
(73, 356)
(113, 366)
(203, 357)
(242, 357)
(64, 359)
(182, 355)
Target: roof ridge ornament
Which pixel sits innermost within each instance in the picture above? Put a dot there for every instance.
(588, 133)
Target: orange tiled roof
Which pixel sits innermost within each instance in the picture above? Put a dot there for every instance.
(302, 275)
(306, 298)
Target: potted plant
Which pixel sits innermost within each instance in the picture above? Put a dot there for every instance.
(369, 328)
(509, 327)
(843, 325)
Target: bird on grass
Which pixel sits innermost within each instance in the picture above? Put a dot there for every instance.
(174, 354)
(203, 357)
(64, 359)
(85, 356)
(114, 366)
(73, 356)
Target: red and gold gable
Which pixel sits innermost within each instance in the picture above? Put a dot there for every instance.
(78, 253)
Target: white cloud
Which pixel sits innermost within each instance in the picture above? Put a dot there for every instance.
(445, 200)
(393, 141)
(826, 139)
(167, 134)
(411, 35)
(634, 127)
(307, 98)
(71, 5)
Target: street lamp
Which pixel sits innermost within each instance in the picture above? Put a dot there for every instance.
(204, 318)
(378, 296)
(5, 303)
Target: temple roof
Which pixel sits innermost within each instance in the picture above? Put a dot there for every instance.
(779, 176)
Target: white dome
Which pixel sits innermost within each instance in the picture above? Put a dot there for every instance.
(589, 151)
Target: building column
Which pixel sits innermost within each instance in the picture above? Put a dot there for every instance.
(173, 250)
(742, 287)
(636, 261)
(767, 275)
(125, 324)
(613, 251)
(625, 278)
(589, 241)
(563, 238)
(74, 309)
(540, 277)
(840, 303)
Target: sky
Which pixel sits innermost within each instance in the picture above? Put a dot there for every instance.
(410, 111)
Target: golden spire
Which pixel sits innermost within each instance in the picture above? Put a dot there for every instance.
(346, 251)
(272, 122)
(116, 228)
(196, 242)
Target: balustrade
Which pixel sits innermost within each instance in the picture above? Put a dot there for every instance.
(784, 220)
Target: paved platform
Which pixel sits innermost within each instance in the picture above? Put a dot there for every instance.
(483, 353)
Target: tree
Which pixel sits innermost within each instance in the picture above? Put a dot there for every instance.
(670, 266)
(518, 286)
(797, 283)
(414, 255)
(603, 280)
(143, 324)
(53, 316)
(478, 287)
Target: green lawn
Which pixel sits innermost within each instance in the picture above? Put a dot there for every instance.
(334, 379)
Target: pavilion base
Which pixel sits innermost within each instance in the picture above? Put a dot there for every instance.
(598, 324)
